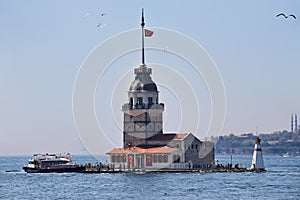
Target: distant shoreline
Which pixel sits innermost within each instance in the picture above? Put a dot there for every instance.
(277, 143)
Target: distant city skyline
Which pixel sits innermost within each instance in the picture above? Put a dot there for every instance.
(43, 45)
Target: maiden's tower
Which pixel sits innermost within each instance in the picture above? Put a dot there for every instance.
(145, 145)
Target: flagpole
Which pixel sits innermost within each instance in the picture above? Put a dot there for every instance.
(143, 51)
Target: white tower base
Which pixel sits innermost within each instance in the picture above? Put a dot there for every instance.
(257, 160)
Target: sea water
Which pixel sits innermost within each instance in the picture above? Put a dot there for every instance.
(281, 181)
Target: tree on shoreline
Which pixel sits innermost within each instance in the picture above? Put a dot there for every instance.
(277, 143)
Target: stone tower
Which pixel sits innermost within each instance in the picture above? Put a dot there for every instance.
(143, 112)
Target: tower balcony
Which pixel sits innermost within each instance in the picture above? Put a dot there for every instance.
(128, 106)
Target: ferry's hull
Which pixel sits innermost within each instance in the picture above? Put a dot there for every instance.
(72, 169)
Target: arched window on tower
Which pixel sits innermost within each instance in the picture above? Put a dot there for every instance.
(140, 100)
(131, 101)
(150, 100)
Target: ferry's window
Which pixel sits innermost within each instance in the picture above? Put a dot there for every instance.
(150, 100)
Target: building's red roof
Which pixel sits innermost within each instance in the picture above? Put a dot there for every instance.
(164, 149)
(126, 150)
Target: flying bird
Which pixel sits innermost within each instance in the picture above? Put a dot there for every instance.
(100, 25)
(286, 16)
(102, 14)
(85, 15)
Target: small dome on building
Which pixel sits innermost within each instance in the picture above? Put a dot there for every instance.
(143, 81)
(137, 85)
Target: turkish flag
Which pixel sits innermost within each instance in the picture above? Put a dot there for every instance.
(148, 160)
(148, 33)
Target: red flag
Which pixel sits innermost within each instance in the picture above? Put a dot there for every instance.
(148, 33)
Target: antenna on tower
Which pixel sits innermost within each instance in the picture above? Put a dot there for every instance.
(142, 25)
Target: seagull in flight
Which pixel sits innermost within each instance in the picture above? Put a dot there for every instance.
(100, 25)
(85, 15)
(286, 16)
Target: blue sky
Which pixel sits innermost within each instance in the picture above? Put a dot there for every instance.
(43, 44)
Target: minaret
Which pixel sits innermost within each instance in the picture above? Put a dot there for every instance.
(143, 112)
(296, 125)
(257, 160)
(292, 124)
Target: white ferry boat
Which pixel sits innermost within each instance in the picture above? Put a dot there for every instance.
(52, 163)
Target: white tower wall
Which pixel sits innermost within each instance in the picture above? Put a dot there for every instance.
(257, 160)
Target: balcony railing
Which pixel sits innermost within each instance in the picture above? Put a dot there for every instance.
(143, 106)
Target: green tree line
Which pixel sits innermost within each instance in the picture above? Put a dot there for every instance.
(277, 143)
